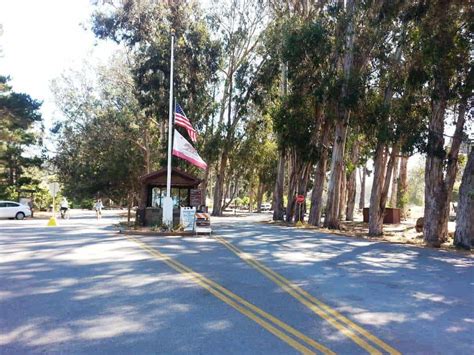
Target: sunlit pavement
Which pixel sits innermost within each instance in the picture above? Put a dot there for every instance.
(82, 288)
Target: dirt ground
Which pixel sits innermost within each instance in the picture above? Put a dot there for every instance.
(403, 233)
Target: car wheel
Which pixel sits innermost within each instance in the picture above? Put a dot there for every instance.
(20, 215)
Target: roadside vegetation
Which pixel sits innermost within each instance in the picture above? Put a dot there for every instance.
(289, 98)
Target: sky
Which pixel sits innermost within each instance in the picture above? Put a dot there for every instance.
(42, 39)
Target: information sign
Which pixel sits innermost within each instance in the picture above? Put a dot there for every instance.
(195, 197)
(53, 188)
(187, 218)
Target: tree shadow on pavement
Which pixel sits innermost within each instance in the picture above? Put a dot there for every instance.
(99, 293)
(420, 297)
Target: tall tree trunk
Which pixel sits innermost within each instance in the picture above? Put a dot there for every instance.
(320, 178)
(259, 197)
(290, 207)
(332, 208)
(380, 187)
(437, 189)
(375, 227)
(383, 173)
(129, 208)
(351, 184)
(393, 196)
(318, 188)
(250, 195)
(362, 188)
(278, 211)
(226, 189)
(343, 196)
(218, 188)
(435, 223)
(402, 191)
(232, 194)
(205, 184)
(452, 163)
(146, 144)
(302, 189)
(331, 219)
(464, 235)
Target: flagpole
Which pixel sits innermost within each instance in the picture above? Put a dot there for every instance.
(168, 202)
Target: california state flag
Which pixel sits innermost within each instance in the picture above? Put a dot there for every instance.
(184, 150)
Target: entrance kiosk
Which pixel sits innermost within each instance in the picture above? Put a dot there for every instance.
(184, 189)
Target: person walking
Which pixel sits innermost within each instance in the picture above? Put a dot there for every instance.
(64, 208)
(98, 208)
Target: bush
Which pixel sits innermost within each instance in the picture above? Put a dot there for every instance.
(86, 203)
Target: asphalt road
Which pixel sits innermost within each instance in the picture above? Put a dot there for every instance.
(251, 288)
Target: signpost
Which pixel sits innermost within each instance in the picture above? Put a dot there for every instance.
(300, 201)
(53, 189)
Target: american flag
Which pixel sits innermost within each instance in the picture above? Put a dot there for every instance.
(183, 121)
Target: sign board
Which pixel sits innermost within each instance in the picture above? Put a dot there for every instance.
(195, 197)
(300, 199)
(187, 217)
(203, 223)
(53, 188)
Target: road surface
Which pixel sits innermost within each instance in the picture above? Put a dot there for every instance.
(251, 288)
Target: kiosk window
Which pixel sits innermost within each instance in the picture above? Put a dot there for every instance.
(157, 195)
(184, 197)
(180, 196)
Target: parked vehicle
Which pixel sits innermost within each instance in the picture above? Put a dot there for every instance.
(10, 209)
(266, 206)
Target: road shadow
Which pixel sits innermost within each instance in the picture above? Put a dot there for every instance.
(422, 295)
(63, 291)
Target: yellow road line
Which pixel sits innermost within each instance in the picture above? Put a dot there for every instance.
(233, 300)
(314, 304)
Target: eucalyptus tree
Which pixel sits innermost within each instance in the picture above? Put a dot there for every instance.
(284, 14)
(387, 66)
(307, 49)
(464, 235)
(446, 62)
(298, 42)
(351, 174)
(402, 188)
(343, 55)
(238, 25)
(253, 161)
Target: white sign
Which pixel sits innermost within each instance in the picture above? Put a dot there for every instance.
(53, 188)
(187, 217)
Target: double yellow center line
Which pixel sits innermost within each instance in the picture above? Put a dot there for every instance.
(285, 332)
(353, 331)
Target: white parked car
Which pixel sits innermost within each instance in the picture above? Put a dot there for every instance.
(10, 209)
